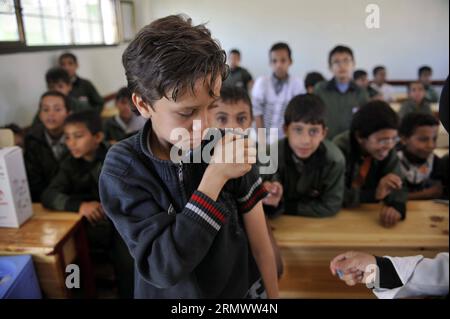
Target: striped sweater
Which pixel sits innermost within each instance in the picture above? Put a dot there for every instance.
(185, 245)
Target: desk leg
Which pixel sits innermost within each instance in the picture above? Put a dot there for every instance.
(87, 271)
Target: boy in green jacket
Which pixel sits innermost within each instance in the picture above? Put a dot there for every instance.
(310, 168)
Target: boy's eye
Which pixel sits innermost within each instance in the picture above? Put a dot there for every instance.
(313, 132)
(222, 119)
(187, 113)
(242, 119)
(298, 130)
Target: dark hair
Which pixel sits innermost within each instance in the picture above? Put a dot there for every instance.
(307, 108)
(56, 75)
(123, 93)
(235, 51)
(424, 68)
(89, 118)
(414, 120)
(57, 94)
(281, 46)
(232, 94)
(172, 54)
(377, 69)
(373, 117)
(68, 55)
(359, 74)
(340, 49)
(16, 129)
(313, 78)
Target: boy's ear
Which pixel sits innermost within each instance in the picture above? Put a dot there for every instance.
(99, 137)
(285, 129)
(144, 109)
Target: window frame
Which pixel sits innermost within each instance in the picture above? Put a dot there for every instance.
(8, 47)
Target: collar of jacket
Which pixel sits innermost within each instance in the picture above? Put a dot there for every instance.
(332, 85)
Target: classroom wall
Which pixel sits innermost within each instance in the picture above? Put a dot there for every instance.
(412, 32)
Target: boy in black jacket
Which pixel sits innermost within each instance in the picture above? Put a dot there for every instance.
(189, 227)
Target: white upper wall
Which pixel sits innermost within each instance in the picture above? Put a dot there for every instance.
(412, 33)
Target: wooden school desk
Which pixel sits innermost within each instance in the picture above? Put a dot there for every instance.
(54, 239)
(308, 245)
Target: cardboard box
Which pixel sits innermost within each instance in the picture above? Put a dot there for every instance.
(15, 199)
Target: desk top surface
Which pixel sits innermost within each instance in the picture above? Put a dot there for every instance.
(41, 234)
(426, 225)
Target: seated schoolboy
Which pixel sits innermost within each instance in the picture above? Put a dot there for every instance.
(82, 89)
(362, 80)
(234, 111)
(45, 147)
(416, 101)
(425, 74)
(372, 167)
(125, 123)
(380, 85)
(311, 79)
(195, 230)
(341, 95)
(423, 170)
(58, 80)
(75, 189)
(310, 168)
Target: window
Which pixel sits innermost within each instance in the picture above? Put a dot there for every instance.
(9, 26)
(58, 22)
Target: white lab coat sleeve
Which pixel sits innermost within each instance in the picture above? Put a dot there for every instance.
(420, 277)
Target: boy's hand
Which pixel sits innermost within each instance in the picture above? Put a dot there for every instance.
(275, 195)
(389, 216)
(233, 157)
(387, 184)
(93, 211)
(352, 266)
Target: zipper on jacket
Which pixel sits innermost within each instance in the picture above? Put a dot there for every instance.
(181, 180)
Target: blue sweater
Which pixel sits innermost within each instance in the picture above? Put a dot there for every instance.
(185, 245)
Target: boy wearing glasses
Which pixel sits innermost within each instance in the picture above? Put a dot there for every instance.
(373, 171)
(341, 95)
(310, 168)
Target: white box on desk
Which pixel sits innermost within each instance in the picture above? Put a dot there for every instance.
(15, 199)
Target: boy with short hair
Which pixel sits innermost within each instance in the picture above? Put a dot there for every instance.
(380, 85)
(310, 168)
(239, 76)
(189, 226)
(423, 170)
(82, 89)
(126, 122)
(311, 79)
(416, 101)
(271, 94)
(75, 189)
(361, 79)
(342, 97)
(44, 144)
(373, 171)
(425, 73)
(234, 111)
